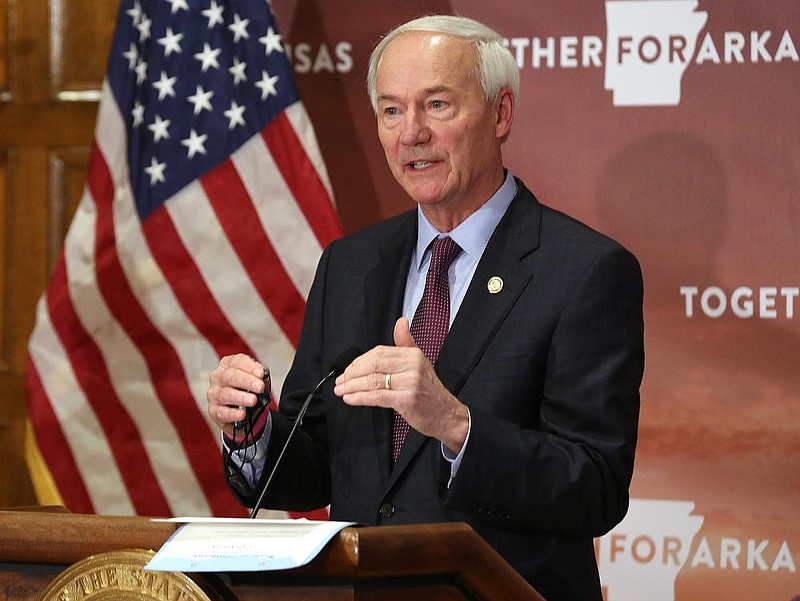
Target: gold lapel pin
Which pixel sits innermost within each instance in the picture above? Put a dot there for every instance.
(494, 285)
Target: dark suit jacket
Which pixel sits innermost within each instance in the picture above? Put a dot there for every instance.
(550, 368)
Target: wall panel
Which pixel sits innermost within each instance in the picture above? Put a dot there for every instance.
(4, 160)
(67, 175)
(80, 35)
(53, 56)
(3, 50)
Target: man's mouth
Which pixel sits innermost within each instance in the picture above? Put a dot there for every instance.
(416, 165)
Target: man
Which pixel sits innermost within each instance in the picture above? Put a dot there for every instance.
(523, 424)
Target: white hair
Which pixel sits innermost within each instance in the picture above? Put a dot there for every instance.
(496, 66)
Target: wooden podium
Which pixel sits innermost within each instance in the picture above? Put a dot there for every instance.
(59, 555)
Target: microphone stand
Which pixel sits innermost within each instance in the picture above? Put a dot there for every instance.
(297, 422)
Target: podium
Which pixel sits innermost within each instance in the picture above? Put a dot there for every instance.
(52, 554)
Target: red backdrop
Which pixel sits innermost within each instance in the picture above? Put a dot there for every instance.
(691, 158)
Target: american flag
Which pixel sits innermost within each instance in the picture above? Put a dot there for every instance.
(206, 208)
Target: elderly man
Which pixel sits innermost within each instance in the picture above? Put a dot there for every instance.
(505, 340)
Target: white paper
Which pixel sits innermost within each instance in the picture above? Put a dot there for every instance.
(242, 545)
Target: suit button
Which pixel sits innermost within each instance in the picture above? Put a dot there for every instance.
(386, 510)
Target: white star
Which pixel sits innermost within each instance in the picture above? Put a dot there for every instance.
(235, 115)
(238, 71)
(208, 57)
(132, 55)
(178, 4)
(141, 71)
(267, 85)
(144, 28)
(135, 12)
(201, 100)
(271, 41)
(159, 128)
(155, 171)
(214, 14)
(138, 114)
(165, 86)
(239, 28)
(195, 143)
(171, 42)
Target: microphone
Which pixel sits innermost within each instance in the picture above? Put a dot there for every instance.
(338, 365)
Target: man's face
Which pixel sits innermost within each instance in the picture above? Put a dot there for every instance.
(441, 137)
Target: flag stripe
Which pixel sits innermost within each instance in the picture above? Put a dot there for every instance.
(130, 373)
(297, 116)
(234, 209)
(54, 447)
(189, 286)
(146, 278)
(228, 280)
(302, 178)
(281, 218)
(92, 374)
(164, 367)
(82, 431)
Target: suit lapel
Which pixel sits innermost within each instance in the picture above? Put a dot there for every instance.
(384, 288)
(482, 312)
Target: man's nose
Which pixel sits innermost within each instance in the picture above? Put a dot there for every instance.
(415, 129)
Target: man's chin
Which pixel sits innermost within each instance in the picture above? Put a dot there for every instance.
(427, 200)
(424, 194)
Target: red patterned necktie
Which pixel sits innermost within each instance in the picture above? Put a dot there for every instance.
(431, 319)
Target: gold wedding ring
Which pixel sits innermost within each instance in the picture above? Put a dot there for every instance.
(387, 381)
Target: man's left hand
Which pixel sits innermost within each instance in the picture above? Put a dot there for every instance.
(401, 378)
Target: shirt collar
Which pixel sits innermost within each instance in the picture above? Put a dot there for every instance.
(473, 234)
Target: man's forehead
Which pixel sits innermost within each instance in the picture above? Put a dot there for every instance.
(443, 57)
(426, 44)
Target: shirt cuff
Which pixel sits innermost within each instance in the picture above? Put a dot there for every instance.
(455, 460)
(250, 458)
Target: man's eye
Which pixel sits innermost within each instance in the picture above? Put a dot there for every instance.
(437, 104)
(390, 111)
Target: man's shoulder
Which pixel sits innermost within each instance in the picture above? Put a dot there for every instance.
(561, 224)
(556, 227)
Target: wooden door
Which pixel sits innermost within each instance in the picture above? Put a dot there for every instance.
(53, 57)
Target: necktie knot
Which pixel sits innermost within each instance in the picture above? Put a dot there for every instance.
(443, 253)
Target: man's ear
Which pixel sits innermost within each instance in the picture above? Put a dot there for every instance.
(504, 110)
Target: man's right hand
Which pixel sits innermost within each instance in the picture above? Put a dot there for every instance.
(232, 387)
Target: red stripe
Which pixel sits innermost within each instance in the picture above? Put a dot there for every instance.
(315, 514)
(163, 363)
(93, 378)
(302, 178)
(201, 307)
(54, 447)
(189, 285)
(237, 215)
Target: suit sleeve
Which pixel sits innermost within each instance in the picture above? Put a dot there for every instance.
(571, 473)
